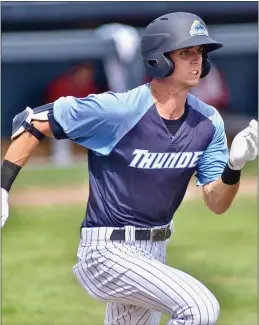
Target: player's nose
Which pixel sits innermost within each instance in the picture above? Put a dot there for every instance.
(196, 58)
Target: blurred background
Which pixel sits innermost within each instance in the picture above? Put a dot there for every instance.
(53, 49)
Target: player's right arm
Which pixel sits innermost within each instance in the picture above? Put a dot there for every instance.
(96, 122)
(23, 146)
(16, 157)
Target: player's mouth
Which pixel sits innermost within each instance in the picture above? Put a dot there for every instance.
(194, 72)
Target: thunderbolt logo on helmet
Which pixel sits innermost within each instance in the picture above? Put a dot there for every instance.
(164, 35)
(198, 29)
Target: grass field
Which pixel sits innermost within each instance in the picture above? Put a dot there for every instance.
(39, 250)
(49, 176)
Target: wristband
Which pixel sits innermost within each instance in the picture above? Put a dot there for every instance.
(9, 172)
(230, 176)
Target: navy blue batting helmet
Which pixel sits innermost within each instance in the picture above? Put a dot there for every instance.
(171, 32)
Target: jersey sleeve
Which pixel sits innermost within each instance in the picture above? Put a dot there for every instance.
(215, 157)
(95, 122)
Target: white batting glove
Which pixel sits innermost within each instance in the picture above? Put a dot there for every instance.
(5, 206)
(244, 146)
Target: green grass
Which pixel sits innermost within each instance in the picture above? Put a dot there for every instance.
(51, 176)
(57, 177)
(39, 250)
(251, 168)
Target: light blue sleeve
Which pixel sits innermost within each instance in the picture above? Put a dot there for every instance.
(98, 122)
(93, 121)
(215, 157)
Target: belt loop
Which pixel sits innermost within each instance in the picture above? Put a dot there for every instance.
(129, 234)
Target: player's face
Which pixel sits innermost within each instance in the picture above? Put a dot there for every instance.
(188, 63)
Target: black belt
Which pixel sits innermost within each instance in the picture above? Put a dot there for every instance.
(148, 234)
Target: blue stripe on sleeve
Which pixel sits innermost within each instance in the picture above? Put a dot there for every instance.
(56, 129)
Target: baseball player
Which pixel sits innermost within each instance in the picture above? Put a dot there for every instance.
(144, 146)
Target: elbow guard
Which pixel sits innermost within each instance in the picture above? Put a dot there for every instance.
(23, 121)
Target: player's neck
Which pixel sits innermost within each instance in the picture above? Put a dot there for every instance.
(169, 99)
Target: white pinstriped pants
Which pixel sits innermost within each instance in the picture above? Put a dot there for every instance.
(136, 284)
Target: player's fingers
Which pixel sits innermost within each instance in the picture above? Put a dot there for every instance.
(250, 142)
(254, 125)
(252, 147)
(254, 134)
(244, 132)
(253, 130)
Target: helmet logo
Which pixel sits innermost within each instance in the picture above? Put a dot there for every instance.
(198, 29)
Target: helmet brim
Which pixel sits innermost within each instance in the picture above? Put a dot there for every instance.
(208, 43)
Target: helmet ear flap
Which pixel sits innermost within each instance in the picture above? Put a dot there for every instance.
(170, 65)
(159, 65)
(205, 69)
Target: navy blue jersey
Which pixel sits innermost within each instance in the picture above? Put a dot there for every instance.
(138, 172)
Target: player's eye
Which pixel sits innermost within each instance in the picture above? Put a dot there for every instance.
(184, 52)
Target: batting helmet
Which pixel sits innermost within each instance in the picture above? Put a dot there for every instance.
(173, 32)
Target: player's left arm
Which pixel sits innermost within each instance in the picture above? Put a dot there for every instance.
(221, 184)
(218, 195)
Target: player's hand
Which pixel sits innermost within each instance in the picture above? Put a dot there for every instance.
(244, 146)
(5, 206)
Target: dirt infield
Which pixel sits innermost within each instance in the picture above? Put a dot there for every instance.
(38, 196)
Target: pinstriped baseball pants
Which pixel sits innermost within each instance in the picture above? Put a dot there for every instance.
(136, 284)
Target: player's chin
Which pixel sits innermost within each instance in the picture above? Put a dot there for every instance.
(192, 82)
